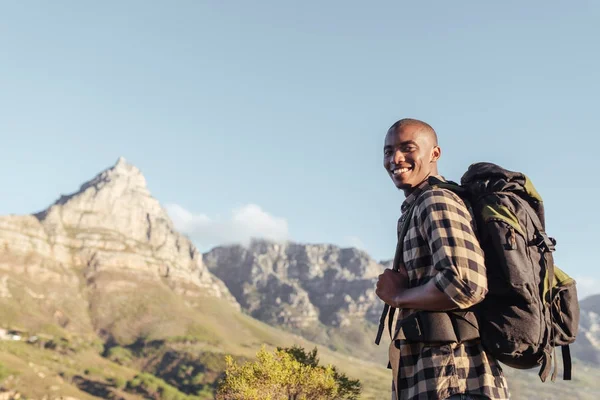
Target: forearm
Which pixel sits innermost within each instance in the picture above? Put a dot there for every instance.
(426, 297)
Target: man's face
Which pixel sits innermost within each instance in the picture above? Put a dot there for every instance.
(409, 156)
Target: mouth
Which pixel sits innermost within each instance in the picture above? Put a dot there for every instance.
(399, 171)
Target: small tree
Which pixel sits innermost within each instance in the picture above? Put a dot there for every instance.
(348, 389)
(285, 374)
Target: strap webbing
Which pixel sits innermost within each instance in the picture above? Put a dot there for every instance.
(395, 266)
(567, 363)
(546, 366)
(548, 247)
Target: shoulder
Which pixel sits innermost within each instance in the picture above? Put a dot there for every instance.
(441, 202)
(439, 196)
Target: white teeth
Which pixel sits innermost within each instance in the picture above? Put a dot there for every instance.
(401, 170)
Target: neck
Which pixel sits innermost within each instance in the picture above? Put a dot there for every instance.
(407, 191)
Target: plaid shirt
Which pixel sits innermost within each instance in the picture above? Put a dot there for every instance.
(440, 244)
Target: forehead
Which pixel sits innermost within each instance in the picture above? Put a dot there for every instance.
(412, 133)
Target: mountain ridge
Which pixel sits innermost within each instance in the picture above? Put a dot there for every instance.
(111, 225)
(105, 264)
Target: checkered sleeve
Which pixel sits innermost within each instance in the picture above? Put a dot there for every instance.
(446, 225)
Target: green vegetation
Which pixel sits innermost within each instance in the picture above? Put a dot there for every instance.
(288, 373)
(156, 388)
(4, 372)
(132, 327)
(118, 382)
(119, 355)
(347, 388)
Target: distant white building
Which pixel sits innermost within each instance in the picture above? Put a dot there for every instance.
(10, 334)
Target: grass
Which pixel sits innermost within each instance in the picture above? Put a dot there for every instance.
(147, 384)
(124, 307)
(197, 332)
(120, 355)
(210, 329)
(5, 372)
(40, 372)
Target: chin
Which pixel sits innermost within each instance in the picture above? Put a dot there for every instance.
(403, 185)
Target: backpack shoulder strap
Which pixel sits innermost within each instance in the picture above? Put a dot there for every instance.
(395, 266)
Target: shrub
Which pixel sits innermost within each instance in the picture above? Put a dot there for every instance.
(285, 374)
(119, 355)
(156, 388)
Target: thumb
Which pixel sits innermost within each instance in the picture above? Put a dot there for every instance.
(402, 269)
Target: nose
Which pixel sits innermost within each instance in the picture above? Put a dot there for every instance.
(398, 157)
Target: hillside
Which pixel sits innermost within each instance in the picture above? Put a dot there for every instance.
(102, 274)
(101, 297)
(322, 292)
(588, 340)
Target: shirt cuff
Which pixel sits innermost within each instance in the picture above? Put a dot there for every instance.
(460, 293)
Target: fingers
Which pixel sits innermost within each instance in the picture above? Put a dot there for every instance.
(386, 273)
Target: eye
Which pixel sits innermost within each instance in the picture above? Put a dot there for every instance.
(387, 152)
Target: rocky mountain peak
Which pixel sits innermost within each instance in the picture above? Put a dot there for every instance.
(315, 259)
(112, 224)
(117, 199)
(298, 285)
(114, 182)
(124, 170)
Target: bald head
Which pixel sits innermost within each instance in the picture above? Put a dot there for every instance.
(424, 128)
(410, 153)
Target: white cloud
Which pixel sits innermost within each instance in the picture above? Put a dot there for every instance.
(245, 223)
(586, 286)
(354, 241)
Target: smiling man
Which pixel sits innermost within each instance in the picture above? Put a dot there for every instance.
(441, 268)
(410, 153)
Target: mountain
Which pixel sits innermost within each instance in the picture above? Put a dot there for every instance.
(113, 238)
(588, 339)
(325, 283)
(322, 292)
(326, 293)
(101, 297)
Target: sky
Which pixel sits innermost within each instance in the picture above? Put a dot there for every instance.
(268, 118)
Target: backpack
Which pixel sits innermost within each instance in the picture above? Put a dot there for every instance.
(531, 306)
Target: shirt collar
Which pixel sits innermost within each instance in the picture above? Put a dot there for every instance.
(411, 198)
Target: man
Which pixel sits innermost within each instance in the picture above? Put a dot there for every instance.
(442, 268)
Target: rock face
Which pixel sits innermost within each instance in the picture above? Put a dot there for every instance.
(587, 345)
(299, 285)
(108, 259)
(111, 225)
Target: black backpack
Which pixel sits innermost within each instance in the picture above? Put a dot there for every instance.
(531, 306)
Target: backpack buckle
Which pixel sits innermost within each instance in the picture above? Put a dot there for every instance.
(545, 242)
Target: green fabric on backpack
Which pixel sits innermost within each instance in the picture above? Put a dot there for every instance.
(520, 319)
(494, 211)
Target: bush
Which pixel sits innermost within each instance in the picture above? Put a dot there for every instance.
(348, 389)
(156, 388)
(285, 374)
(212, 361)
(119, 382)
(119, 355)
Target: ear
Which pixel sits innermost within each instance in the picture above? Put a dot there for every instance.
(436, 153)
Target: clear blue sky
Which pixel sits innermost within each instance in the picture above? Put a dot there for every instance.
(285, 104)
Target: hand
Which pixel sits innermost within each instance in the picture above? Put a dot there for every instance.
(390, 284)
